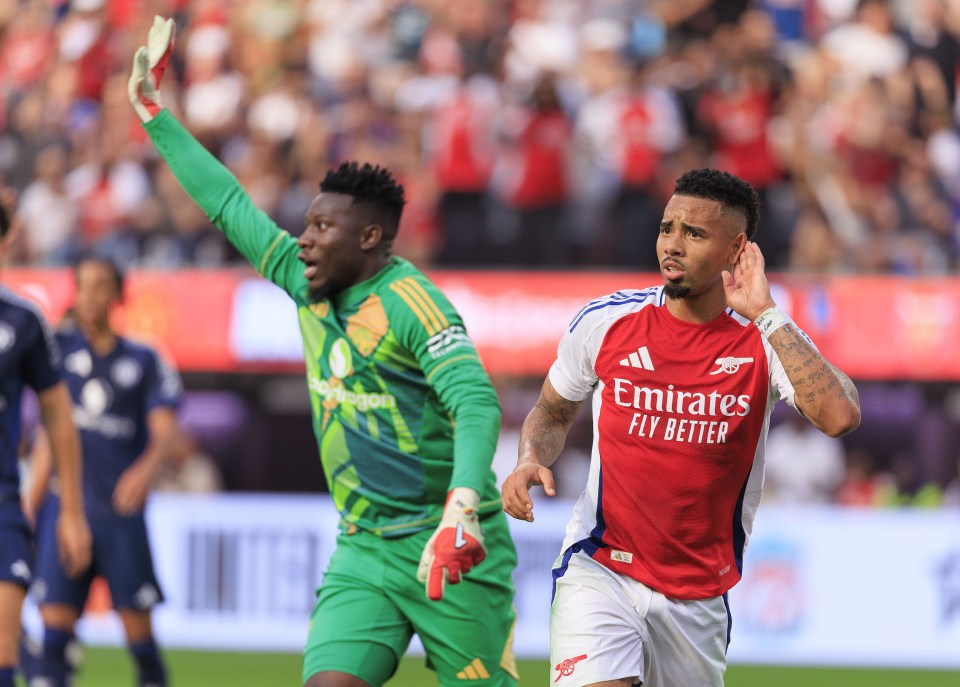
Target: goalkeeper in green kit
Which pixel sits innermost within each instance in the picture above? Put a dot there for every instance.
(405, 416)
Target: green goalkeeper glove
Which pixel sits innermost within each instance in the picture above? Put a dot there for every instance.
(456, 546)
(149, 63)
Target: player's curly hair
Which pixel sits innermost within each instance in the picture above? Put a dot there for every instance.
(730, 191)
(374, 190)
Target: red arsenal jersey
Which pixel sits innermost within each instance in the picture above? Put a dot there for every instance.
(681, 412)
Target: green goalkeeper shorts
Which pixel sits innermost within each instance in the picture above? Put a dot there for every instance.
(371, 603)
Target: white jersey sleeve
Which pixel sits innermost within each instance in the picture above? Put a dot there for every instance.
(573, 374)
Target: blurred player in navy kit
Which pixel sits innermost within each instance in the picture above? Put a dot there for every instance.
(29, 356)
(124, 403)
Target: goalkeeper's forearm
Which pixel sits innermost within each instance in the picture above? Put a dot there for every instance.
(469, 397)
(214, 188)
(475, 441)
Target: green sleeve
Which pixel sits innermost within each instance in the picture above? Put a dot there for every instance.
(271, 250)
(465, 390)
(435, 334)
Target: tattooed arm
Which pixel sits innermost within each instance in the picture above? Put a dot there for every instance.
(824, 394)
(541, 440)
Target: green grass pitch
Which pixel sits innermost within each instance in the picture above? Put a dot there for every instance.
(112, 668)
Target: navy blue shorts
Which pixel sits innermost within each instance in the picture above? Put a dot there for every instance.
(16, 552)
(121, 554)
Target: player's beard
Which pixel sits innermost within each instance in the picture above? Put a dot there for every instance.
(676, 291)
(326, 290)
(321, 293)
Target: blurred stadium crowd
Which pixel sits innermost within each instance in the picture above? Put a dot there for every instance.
(527, 132)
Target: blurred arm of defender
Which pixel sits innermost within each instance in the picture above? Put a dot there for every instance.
(73, 535)
(41, 465)
(134, 484)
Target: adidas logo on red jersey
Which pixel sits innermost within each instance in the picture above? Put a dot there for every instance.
(640, 358)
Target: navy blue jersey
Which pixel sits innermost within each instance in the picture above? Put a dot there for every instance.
(112, 397)
(29, 356)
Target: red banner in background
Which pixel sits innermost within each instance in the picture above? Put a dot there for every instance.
(516, 319)
(185, 314)
(898, 328)
(233, 321)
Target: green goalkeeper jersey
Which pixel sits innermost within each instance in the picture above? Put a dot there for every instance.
(402, 408)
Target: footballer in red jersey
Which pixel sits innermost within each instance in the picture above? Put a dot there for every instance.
(683, 378)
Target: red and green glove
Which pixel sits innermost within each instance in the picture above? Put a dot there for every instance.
(456, 546)
(149, 63)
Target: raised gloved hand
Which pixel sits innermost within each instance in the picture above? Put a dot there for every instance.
(149, 63)
(456, 546)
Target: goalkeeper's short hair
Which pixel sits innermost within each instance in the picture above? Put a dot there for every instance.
(374, 191)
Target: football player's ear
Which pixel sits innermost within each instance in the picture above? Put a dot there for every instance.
(371, 237)
(736, 249)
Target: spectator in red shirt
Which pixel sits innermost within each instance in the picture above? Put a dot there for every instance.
(460, 151)
(531, 180)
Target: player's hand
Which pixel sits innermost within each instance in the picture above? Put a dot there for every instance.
(456, 546)
(747, 289)
(132, 488)
(515, 491)
(149, 63)
(30, 503)
(74, 540)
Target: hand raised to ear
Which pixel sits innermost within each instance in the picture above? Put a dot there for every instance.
(747, 289)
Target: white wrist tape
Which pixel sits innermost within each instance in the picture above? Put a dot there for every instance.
(770, 320)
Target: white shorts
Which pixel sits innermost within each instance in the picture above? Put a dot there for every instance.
(604, 626)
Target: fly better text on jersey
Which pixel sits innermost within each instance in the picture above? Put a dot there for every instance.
(703, 406)
(643, 425)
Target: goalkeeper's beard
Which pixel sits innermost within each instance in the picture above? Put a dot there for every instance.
(324, 290)
(321, 292)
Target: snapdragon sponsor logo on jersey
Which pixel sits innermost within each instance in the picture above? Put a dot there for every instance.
(702, 407)
(341, 359)
(95, 397)
(334, 393)
(447, 340)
